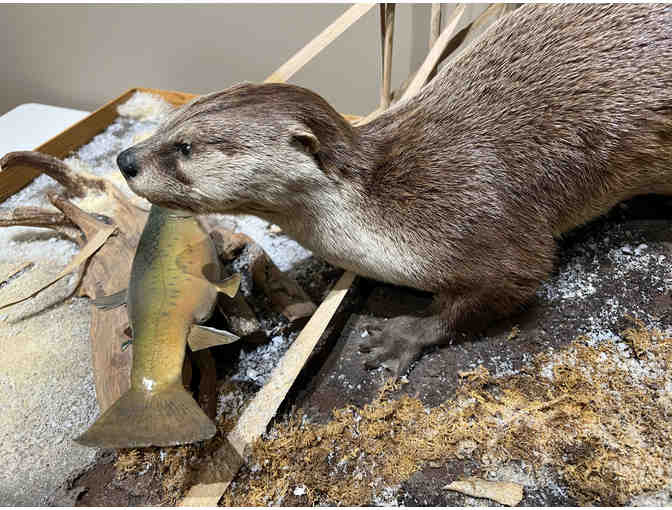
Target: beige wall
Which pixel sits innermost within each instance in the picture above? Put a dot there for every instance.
(81, 56)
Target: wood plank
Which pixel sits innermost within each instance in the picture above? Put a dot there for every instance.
(420, 78)
(321, 41)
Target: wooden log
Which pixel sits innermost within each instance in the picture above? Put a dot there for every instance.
(310, 50)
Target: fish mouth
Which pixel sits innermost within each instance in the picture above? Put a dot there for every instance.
(175, 206)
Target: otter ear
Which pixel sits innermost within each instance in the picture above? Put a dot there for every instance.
(307, 139)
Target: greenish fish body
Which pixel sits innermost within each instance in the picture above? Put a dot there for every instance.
(173, 287)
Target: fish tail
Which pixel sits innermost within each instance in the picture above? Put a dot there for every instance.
(166, 417)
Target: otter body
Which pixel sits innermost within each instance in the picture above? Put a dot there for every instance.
(555, 115)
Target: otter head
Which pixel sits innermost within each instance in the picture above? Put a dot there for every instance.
(252, 149)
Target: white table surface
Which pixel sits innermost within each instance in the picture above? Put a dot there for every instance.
(29, 125)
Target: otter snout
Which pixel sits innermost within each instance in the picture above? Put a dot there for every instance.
(127, 163)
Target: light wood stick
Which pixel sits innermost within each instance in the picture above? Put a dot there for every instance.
(387, 38)
(257, 415)
(432, 59)
(478, 27)
(434, 31)
(329, 34)
(434, 25)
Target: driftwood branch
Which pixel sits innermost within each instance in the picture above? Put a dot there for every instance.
(75, 183)
(32, 217)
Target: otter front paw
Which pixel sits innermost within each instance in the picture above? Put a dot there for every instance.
(399, 344)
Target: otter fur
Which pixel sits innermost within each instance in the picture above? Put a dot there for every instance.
(555, 115)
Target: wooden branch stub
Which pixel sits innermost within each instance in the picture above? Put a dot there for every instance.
(228, 243)
(32, 217)
(240, 318)
(286, 295)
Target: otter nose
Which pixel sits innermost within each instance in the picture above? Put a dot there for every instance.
(127, 163)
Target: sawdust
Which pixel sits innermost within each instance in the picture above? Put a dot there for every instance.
(598, 421)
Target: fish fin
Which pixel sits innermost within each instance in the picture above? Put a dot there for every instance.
(165, 417)
(202, 337)
(229, 286)
(112, 301)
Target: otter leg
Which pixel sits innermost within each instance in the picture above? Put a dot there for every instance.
(404, 338)
(402, 341)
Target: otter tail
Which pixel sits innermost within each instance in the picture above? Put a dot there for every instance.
(141, 418)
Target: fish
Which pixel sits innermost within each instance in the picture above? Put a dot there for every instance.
(173, 287)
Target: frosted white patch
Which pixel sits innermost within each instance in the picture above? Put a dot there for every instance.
(387, 496)
(257, 364)
(148, 383)
(575, 281)
(145, 106)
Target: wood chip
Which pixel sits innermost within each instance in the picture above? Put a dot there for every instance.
(506, 493)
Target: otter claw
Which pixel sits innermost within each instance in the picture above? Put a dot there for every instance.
(397, 347)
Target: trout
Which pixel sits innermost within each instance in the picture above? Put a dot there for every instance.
(173, 287)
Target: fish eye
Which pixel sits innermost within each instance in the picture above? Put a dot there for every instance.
(184, 148)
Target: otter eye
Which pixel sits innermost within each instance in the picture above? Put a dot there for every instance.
(184, 148)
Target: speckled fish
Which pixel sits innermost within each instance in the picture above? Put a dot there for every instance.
(173, 287)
